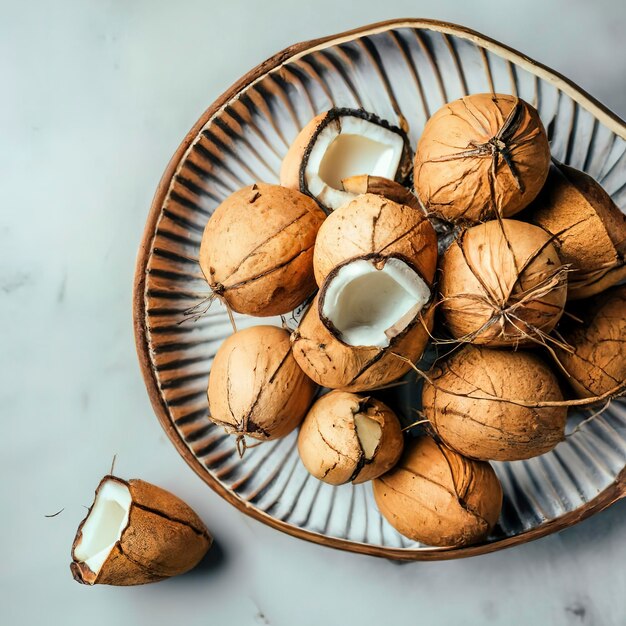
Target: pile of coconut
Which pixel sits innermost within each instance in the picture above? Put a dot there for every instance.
(479, 248)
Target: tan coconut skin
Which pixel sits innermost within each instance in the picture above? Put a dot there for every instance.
(589, 229)
(461, 173)
(502, 284)
(331, 363)
(329, 445)
(290, 167)
(256, 387)
(438, 497)
(458, 404)
(380, 186)
(597, 365)
(372, 224)
(257, 249)
(163, 538)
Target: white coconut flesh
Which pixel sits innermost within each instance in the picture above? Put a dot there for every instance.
(369, 433)
(369, 306)
(351, 147)
(104, 525)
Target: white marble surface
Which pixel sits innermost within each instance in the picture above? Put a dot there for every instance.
(95, 98)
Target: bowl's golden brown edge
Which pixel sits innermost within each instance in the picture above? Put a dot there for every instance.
(608, 496)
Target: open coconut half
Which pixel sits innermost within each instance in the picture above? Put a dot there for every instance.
(371, 300)
(136, 533)
(339, 144)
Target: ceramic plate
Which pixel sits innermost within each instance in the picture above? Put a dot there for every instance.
(402, 69)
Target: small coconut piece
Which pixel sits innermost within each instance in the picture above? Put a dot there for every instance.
(502, 284)
(588, 227)
(596, 364)
(438, 497)
(331, 363)
(341, 143)
(380, 186)
(487, 404)
(349, 438)
(256, 388)
(371, 300)
(136, 533)
(374, 225)
(481, 156)
(257, 249)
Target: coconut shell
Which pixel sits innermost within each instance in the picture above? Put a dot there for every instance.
(459, 406)
(256, 388)
(331, 363)
(380, 186)
(163, 538)
(481, 156)
(502, 284)
(373, 225)
(330, 446)
(292, 171)
(597, 364)
(257, 249)
(438, 497)
(589, 229)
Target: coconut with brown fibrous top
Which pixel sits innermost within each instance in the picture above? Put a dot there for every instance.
(380, 186)
(595, 357)
(373, 225)
(349, 438)
(589, 229)
(256, 388)
(438, 497)
(257, 249)
(136, 533)
(502, 284)
(331, 363)
(495, 404)
(481, 156)
(339, 144)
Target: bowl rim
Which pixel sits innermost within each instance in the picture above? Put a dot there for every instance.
(613, 492)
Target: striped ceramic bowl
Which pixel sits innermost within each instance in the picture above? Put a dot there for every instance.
(405, 68)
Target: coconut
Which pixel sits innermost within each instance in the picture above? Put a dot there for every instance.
(495, 404)
(438, 497)
(341, 143)
(256, 388)
(136, 533)
(371, 224)
(588, 227)
(257, 249)
(349, 438)
(369, 301)
(502, 284)
(390, 189)
(331, 363)
(481, 156)
(596, 358)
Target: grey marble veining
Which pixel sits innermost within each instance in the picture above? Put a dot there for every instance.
(96, 97)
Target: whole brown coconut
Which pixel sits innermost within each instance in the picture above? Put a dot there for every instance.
(372, 224)
(257, 249)
(256, 387)
(475, 402)
(502, 284)
(438, 497)
(333, 364)
(481, 156)
(597, 365)
(349, 438)
(136, 533)
(588, 227)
